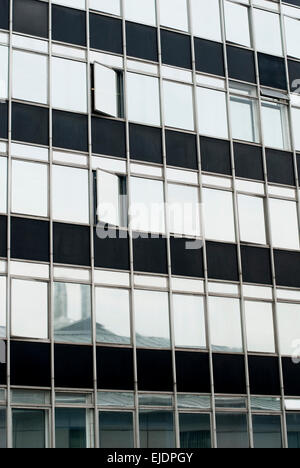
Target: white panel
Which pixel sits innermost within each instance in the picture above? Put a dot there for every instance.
(105, 80)
(4, 72)
(108, 209)
(69, 85)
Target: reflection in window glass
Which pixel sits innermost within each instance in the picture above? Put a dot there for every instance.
(116, 429)
(140, 11)
(29, 188)
(293, 430)
(275, 125)
(284, 224)
(189, 321)
(4, 72)
(260, 327)
(3, 185)
(143, 99)
(69, 203)
(218, 215)
(112, 315)
(252, 219)
(195, 431)
(292, 30)
(29, 309)
(2, 306)
(184, 210)
(29, 429)
(237, 24)
(178, 103)
(157, 429)
(212, 112)
(206, 19)
(72, 313)
(267, 32)
(174, 14)
(152, 319)
(2, 428)
(289, 327)
(30, 77)
(70, 428)
(225, 324)
(267, 432)
(244, 119)
(232, 431)
(69, 85)
(147, 208)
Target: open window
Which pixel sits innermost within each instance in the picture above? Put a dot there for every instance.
(111, 199)
(108, 91)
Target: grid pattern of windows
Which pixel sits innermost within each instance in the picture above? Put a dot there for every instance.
(188, 110)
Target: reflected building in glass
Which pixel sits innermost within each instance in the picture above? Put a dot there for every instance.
(149, 224)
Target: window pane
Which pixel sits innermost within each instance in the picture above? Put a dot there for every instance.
(2, 306)
(225, 324)
(107, 6)
(141, 11)
(29, 428)
(244, 119)
(292, 31)
(195, 431)
(252, 219)
(173, 14)
(212, 112)
(260, 327)
(288, 327)
(267, 32)
(296, 125)
(143, 99)
(232, 431)
(2, 428)
(293, 430)
(30, 77)
(218, 215)
(267, 432)
(147, 205)
(69, 203)
(112, 206)
(113, 316)
(284, 224)
(105, 94)
(152, 319)
(29, 309)
(237, 24)
(206, 19)
(157, 429)
(72, 313)
(178, 105)
(189, 321)
(116, 430)
(275, 126)
(69, 85)
(29, 188)
(3, 185)
(184, 210)
(4, 72)
(70, 428)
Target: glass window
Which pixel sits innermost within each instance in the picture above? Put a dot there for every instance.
(206, 19)
(212, 112)
(152, 325)
(194, 431)
(2, 306)
(3, 185)
(112, 199)
(189, 321)
(116, 429)
(267, 432)
(71, 3)
(4, 72)
(244, 119)
(29, 429)
(29, 188)
(296, 126)
(288, 327)
(225, 324)
(178, 106)
(218, 215)
(157, 429)
(29, 309)
(184, 210)
(70, 428)
(112, 315)
(252, 219)
(275, 125)
(141, 11)
(107, 6)
(232, 431)
(174, 14)
(292, 31)
(260, 327)
(267, 32)
(293, 430)
(69, 203)
(106, 94)
(72, 313)
(143, 99)
(2, 428)
(30, 77)
(284, 224)
(147, 208)
(69, 85)
(237, 24)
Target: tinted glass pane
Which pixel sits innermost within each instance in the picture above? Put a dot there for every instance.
(2, 428)
(116, 430)
(31, 17)
(70, 428)
(157, 429)
(232, 431)
(68, 25)
(293, 429)
(194, 431)
(29, 428)
(267, 432)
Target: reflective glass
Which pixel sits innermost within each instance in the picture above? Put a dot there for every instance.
(69, 85)
(267, 432)
(174, 14)
(147, 205)
(293, 430)
(112, 315)
(2, 306)
(260, 327)
(107, 6)
(152, 319)
(289, 327)
(178, 105)
(218, 215)
(212, 112)
(29, 429)
(2, 428)
(244, 119)
(275, 125)
(267, 32)
(184, 210)
(4, 72)
(225, 324)
(141, 11)
(72, 313)
(284, 224)
(206, 19)
(157, 429)
(237, 24)
(116, 429)
(189, 321)
(70, 428)
(105, 94)
(143, 99)
(3, 185)
(29, 309)
(30, 77)
(292, 30)
(252, 219)
(194, 431)
(296, 125)
(232, 431)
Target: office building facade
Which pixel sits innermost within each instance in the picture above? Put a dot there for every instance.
(149, 224)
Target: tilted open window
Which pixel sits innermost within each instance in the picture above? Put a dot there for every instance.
(111, 199)
(108, 85)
